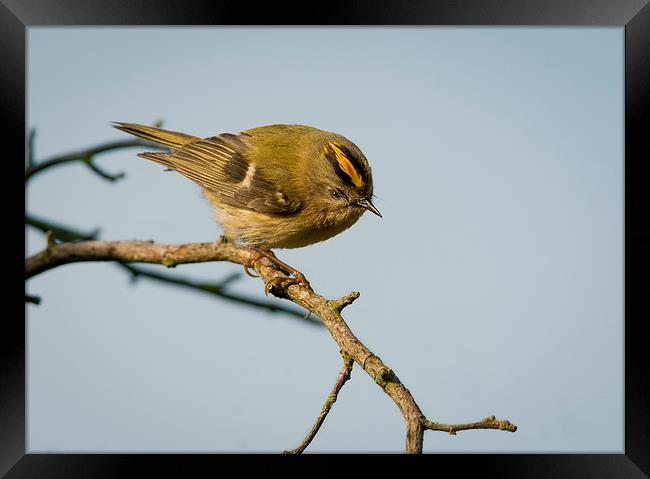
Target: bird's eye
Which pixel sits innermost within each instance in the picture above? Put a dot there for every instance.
(335, 194)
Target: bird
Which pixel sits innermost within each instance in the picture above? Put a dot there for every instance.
(273, 186)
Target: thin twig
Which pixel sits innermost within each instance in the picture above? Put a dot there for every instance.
(87, 157)
(489, 422)
(63, 233)
(344, 375)
(217, 289)
(103, 173)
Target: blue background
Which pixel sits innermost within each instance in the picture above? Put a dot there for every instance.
(493, 284)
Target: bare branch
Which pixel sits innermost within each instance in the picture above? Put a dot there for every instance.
(103, 173)
(218, 289)
(133, 251)
(327, 310)
(489, 422)
(344, 375)
(87, 157)
(61, 232)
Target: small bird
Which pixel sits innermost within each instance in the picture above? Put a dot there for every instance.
(275, 186)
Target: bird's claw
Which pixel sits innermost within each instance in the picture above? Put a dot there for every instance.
(251, 264)
(248, 272)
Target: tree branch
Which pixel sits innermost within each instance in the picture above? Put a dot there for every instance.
(87, 157)
(327, 310)
(133, 251)
(217, 289)
(344, 375)
(67, 234)
(101, 172)
(489, 422)
(61, 232)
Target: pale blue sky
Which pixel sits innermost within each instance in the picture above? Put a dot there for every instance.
(493, 284)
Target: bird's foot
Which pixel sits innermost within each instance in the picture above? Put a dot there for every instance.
(223, 239)
(251, 264)
(281, 284)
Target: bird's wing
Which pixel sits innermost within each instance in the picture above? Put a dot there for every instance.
(222, 165)
(172, 139)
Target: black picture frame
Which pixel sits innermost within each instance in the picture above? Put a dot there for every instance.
(634, 15)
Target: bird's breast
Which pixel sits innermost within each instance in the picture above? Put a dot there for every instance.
(315, 229)
(308, 226)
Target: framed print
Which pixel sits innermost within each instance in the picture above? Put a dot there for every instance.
(500, 276)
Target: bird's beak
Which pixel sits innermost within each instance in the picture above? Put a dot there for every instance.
(367, 204)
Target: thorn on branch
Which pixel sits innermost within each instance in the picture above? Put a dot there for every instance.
(339, 304)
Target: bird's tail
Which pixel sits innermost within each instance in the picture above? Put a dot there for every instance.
(172, 139)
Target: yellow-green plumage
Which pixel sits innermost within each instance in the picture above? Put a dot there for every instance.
(276, 186)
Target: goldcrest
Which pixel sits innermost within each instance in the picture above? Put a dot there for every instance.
(276, 186)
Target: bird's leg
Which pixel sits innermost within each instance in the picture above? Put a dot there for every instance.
(223, 239)
(298, 277)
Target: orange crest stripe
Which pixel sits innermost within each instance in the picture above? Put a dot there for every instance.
(346, 166)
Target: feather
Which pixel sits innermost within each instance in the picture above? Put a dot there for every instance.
(221, 165)
(173, 139)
